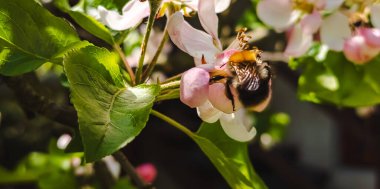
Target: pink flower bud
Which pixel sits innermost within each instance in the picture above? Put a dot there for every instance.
(372, 36)
(147, 172)
(194, 87)
(357, 50)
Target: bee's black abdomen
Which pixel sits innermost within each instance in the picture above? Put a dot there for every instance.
(254, 97)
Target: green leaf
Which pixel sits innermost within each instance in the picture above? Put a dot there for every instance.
(57, 180)
(84, 5)
(228, 156)
(93, 26)
(110, 113)
(30, 36)
(108, 4)
(123, 183)
(372, 75)
(38, 167)
(338, 81)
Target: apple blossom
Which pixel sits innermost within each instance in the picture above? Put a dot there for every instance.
(301, 18)
(359, 43)
(195, 90)
(135, 11)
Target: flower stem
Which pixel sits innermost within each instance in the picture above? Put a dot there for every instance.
(126, 64)
(173, 78)
(154, 6)
(153, 63)
(172, 94)
(171, 85)
(172, 123)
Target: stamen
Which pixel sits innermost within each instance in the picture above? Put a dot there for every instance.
(203, 59)
(243, 38)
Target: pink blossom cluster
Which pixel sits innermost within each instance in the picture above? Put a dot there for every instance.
(349, 26)
(196, 91)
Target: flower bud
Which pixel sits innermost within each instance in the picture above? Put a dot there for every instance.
(372, 36)
(357, 50)
(147, 172)
(194, 87)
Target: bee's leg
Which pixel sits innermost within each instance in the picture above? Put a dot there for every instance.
(218, 76)
(217, 79)
(229, 93)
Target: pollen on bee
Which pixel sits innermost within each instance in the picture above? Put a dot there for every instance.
(245, 55)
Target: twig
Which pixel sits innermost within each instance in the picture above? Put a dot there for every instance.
(128, 167)
(173, 78)
(154, 7)
(153, 63)
(107, 181)
(29, 93)
(126, 64)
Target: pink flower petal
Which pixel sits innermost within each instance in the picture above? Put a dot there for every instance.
(147, 172)
(217, 97)
(277, 13)
(311, 23)
(375, 15)
(372, 36)
(208, 19)
(208, 113)
(299, 42)
(334, 30)
(237, 126)
(190, 40)
(194, 87)
(357, 50)
(223, 58)
(133, 13)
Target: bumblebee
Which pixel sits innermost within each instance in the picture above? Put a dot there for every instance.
(248, 75)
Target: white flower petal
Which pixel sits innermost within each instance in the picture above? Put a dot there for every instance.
(335, 30)
(190, 40)
(312, 22)
(208, 18)
(375, 15)
(277, 13)
(333, 4)
(299, 42)
(208, 113)
(133, 13)
(222, 5)
(237, 126)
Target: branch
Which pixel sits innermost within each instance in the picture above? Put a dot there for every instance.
(128, 167)
(102, 172)
(31, 97)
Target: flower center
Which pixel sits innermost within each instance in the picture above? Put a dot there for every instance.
(303, 6)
